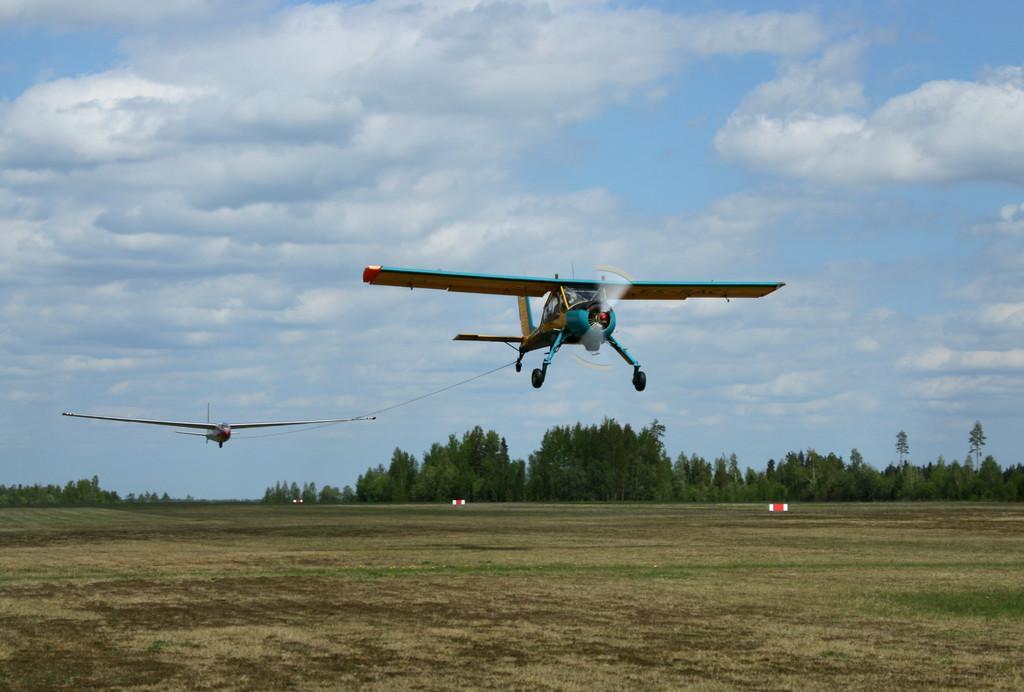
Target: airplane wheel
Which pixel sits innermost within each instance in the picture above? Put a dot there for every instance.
(640, 380)
(537, 378)
(519, 367)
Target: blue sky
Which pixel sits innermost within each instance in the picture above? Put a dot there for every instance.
(189, 192)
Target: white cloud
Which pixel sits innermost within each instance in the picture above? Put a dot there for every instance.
(744, 213)
(942, 358)
(68, 14)
(319, 305)
(1010, 221)
(89, 363)
(815, 411)
(866, 344)
(764, 32)
(382, 81)
(799, 384)
(1008, 315)
(964, 387)
(88, 120)
(942, 131)
(830, 84)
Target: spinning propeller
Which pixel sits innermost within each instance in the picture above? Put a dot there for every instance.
(601, 316)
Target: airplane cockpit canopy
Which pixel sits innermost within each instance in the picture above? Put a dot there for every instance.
(576, 298)
(581, 296)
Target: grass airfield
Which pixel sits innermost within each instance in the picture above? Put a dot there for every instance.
(513, 596)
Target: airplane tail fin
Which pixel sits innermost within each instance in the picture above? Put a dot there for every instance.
(525, 316)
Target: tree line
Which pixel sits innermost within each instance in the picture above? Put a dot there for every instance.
(610, 461)
(86, 491)
(284, 492)
(83, 492)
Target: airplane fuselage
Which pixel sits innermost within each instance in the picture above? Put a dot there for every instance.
(577, 316)
(220, 434)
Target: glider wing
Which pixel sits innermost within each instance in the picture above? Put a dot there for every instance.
(171, 423)
(277, 424)
(214, 426)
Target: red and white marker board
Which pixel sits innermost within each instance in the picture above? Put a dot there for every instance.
(778, 507)
(458, 502)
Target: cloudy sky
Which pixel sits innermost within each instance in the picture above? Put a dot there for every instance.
(189, 191)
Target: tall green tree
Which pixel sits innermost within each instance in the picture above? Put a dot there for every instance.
(977, 441)
(902, 445)
(402, 472)
(436, 480)
(309, 493)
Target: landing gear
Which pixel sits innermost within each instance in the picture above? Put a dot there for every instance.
(519, 360)
(537, 376)
(639, 377)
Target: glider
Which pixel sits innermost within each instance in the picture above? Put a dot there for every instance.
(576, 311)
(218, 432)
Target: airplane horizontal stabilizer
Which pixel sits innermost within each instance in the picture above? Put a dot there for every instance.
(488, 337)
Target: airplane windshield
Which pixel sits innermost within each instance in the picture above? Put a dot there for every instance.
(575, 296)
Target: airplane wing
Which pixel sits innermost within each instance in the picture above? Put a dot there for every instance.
(171, 423)
(277, 424)
(681, 290)
(463, 283)
(536, 287)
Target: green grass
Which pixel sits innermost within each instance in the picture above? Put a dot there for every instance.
(981, 603)
(157, 646)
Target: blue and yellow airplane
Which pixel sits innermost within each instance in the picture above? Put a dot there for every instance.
(576, 311)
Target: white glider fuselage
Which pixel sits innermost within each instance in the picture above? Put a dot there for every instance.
(221, 435)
